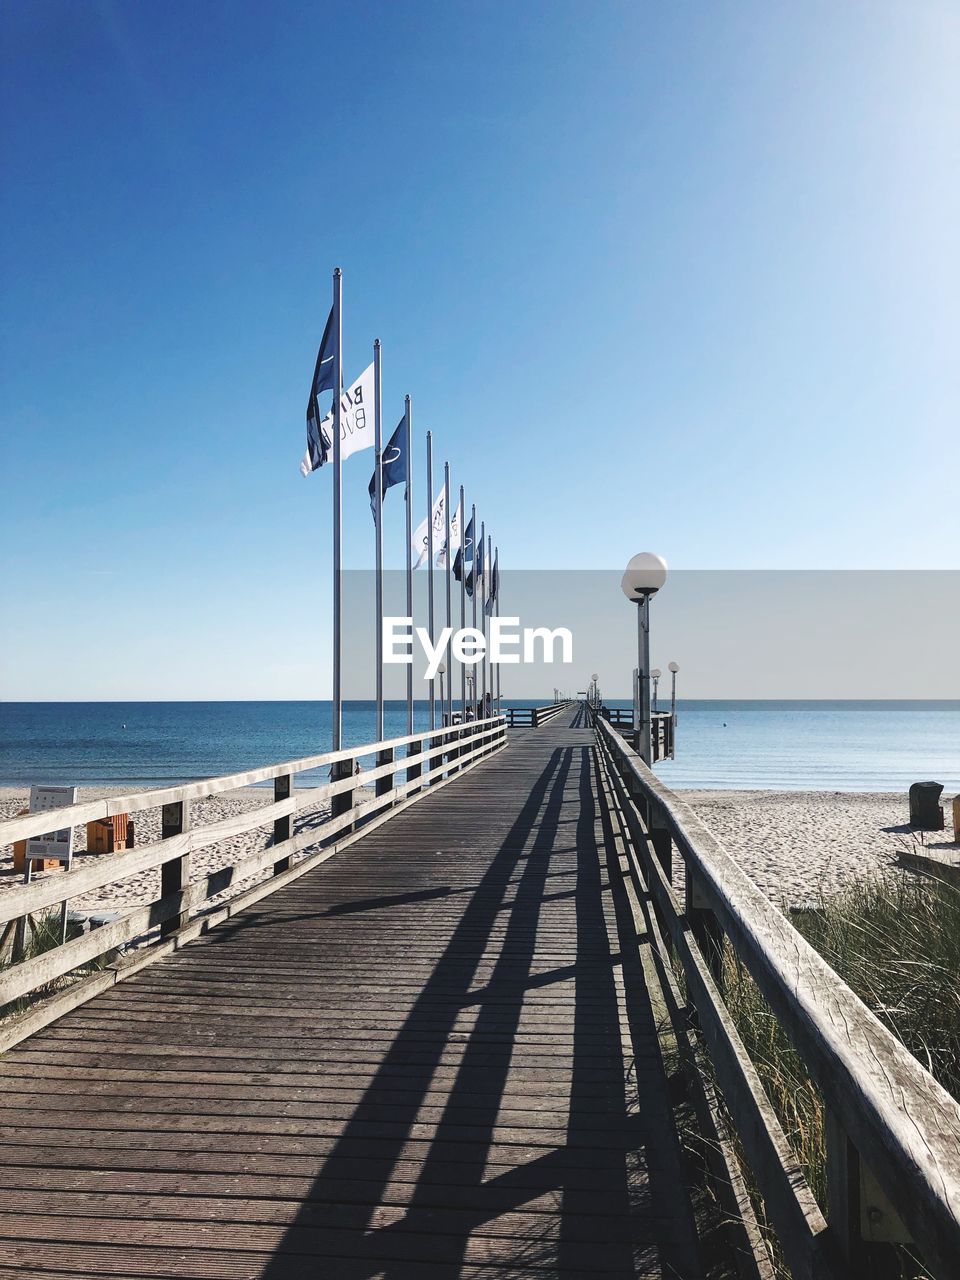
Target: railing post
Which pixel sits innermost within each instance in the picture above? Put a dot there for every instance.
(705, 926)
(863, 1222)
(19, 939)
(843, 1193)
(343, 800)
(384, 784)
(414, 770)
(175, 874)
(661, 842)
(636, 793)
(282, 827)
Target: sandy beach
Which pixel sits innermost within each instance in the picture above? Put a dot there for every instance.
(800, 845)
(795, 845)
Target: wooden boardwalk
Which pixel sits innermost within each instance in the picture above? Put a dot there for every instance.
(414, 1061)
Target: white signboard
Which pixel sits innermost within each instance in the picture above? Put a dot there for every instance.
(57, 844)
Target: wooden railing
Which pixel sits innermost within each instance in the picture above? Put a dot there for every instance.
(533, 717)
(622, 717)
(892, 1132)
(429, 760)
(662, 729)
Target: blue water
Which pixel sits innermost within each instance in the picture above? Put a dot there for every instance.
(830, 746)
(158, 743)
(814, 746)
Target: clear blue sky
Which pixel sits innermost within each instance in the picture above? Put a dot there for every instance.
(683, 277)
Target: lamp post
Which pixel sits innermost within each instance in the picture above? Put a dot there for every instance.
(655, 675)
(643, 577)
(441, 672)
(673, 668)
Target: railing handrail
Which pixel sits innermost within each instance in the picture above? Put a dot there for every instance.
(905, 1125)
(531, 717)
(33, 824)
(86, 877)
(444, 754)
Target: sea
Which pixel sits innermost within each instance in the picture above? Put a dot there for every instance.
(738, 745)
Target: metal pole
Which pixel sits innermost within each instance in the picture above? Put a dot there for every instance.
(408, 417)
(433, 709)
(637, 701)
(645, 745)
(463, 602)
(337, 710)
(473, 598)
(488, 576)
(481, 586)
(378, 496)
(447, 571)
(673, 695)
(497, 606)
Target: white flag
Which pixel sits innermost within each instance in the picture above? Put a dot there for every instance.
(455, 522)
(356, 419)
(420, 544)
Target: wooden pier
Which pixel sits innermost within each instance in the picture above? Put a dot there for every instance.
(447, 1042)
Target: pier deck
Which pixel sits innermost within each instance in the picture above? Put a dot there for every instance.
(414, 1061)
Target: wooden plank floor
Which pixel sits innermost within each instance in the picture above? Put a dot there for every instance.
(414, 1061)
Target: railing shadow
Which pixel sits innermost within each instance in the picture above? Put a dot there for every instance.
(421, 1042)
(464, 1183)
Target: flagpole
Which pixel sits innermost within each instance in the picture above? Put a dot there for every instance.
(407, 417)
(337, 709)
(497, 603)
(463, 602)
(433, 709)
(448, 568)
(478, 587)
(378, 446)
(473, 600)
(487, 582)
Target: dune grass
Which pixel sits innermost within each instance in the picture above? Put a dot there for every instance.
(45, 935)
(896, 942)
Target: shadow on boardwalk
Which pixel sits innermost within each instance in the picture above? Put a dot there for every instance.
(408, 1063)
(584, 1194)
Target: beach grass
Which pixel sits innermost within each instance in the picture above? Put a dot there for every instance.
(895, 941)
(44, 935)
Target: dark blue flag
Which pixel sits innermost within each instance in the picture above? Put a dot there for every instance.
(494, 583)
(393, 462)
(324, 376)
(475, 576)
(465, 554)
